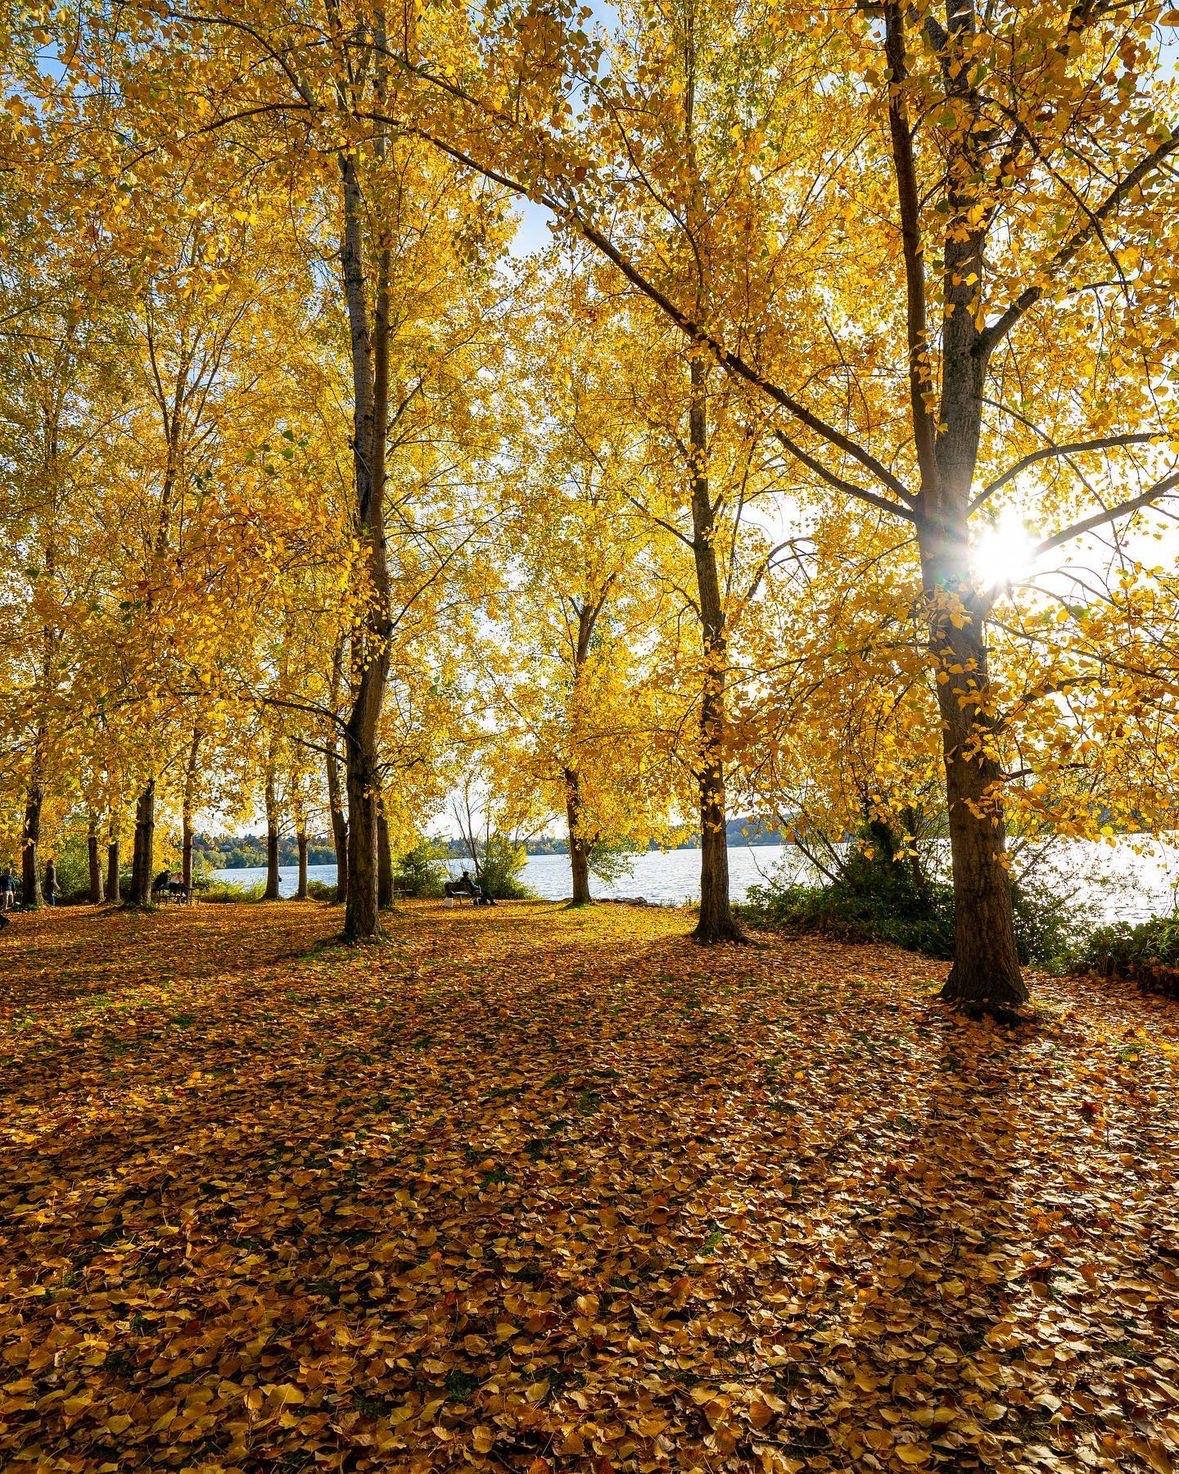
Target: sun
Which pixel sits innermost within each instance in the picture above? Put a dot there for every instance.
(1003, 553)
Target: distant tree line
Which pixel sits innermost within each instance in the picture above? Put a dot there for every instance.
(248, 851)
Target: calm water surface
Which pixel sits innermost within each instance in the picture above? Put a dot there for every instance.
(1113, 881)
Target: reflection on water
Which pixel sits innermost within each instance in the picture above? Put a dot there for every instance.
(1113, 881)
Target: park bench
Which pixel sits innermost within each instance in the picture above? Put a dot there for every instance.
(167, 888)
(460, 890)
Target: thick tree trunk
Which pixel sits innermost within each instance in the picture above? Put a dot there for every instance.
(362, 916)
(31, 837)
(579, 846)
(271, 892)
(384, 862)
(143, 853)
(301, 841)
(986, 973)
(94, 861)
(717, 922)
(947, 427)
(113, 878)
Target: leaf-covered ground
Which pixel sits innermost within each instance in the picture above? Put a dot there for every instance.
(542, 1190)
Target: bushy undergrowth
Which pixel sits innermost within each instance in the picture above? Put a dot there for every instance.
(879, 898)
(220, 892)
(421, 872)
(318, 890)
(1147, 952)
(500, 868)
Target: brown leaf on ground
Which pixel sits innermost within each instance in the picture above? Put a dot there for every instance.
(552, 1190)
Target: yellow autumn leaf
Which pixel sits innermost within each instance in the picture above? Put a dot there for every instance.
(913, 1453)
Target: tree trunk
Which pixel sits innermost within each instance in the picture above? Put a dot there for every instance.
(113, 878)
(271, 892)
(143, 853)
(716, 923)
(332, 766)
(384, 862)
(579, 846)
(362, 917)
(190, 780)
(186, 838)
(373, 630)
(301, 841)
(339, 827)
(986, 973)
(30, 874)
(95, 863)
(947, 427)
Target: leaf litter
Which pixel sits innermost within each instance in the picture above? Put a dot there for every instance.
(550, 1190)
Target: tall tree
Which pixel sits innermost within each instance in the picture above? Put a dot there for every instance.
(1026, 149)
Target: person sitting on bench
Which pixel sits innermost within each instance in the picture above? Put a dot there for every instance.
(462, 889)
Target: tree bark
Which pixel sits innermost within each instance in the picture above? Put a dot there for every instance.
(339, 826)
(271, 893)
(373, 631)
(580, 847)
(94, 862)
(301, 841)
(31, 838)
(362, 917)
(113, 878)
(947, 428)
(717, 922)
(143, 853)
(986, 974)
(384, 862)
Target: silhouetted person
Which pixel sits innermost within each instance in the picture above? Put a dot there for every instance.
(51, 883)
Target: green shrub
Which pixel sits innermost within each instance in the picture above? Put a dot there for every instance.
(422, 872)
(499, 872)
(1048, 926)
(219, 892)
(880, 898)
(612, 860)
(1146, 952)
(318, 890)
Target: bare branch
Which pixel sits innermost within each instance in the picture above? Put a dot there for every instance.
(1074, 447)
(861, 493)
(1110, 514)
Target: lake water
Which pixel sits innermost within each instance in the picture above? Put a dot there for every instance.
(1113, 881)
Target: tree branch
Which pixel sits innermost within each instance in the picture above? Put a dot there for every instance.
(1080, 238)
(1108, 442)
(861, 493)
(905, 170)
(1110, 514)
